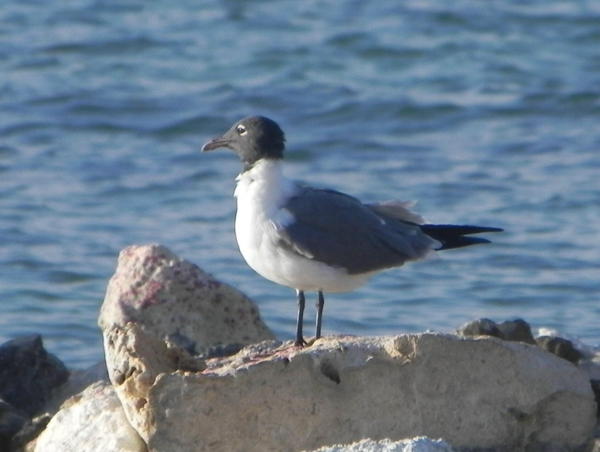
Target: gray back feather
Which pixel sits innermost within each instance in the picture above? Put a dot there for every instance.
(340, 231)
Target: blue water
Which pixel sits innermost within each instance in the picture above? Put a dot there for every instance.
(484, 112)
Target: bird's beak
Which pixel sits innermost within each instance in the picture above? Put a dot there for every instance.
(215, 143)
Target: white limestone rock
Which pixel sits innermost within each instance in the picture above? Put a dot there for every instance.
(173, 299)
(92, 421)
(476, 393)
(421, 444)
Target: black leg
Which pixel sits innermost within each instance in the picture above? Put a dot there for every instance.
(299, 339)
(320, 305)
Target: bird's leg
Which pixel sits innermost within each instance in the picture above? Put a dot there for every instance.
(320, 305)
(300, 342)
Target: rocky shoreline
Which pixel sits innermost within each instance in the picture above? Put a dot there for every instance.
(190, 366)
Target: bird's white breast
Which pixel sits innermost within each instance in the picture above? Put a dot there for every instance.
(261, 192)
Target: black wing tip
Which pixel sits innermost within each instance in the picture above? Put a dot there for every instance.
(457, 236)
(489, 229)
(460, 242)
(462, 229)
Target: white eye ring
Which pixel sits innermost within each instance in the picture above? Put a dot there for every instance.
(241, 129)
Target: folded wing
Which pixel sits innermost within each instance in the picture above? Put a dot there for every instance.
(340, 231)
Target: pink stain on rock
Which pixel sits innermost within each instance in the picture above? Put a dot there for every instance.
(151, 295)
(244, 359)
(167, 295)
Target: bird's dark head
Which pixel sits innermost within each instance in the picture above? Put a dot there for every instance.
(252, 138)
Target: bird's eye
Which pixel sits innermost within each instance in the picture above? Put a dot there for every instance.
(241, 129)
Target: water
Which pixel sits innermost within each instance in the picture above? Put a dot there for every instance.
(486, 114)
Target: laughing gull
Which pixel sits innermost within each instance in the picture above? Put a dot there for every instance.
(313, 239)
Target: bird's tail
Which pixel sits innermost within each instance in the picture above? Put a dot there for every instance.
(455, 236)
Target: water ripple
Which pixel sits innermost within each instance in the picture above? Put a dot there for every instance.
(483, 115)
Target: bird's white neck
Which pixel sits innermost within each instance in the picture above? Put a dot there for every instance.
(265, 179)
(261, 192)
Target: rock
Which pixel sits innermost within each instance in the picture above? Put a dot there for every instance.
(174, 313)
(591, 365)
(11, 421)
(28, 373)
(92, 421)
(78, 380)
(596, 388)
(481, 327)
(136, 358)
(560, 347)
(24, 439)
(516, 330)
(421, 444)
(176, 301)
(476, 393)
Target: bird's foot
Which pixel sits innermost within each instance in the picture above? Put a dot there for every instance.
(305, 343)
(312, 341)
(300, 342)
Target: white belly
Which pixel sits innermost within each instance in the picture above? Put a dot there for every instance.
(257, 237)
(260, 193)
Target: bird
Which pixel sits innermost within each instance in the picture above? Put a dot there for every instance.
(318, 239)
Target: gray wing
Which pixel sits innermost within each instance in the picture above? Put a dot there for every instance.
(339, 230)
(399, 210)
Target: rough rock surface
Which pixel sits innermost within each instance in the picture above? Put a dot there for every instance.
(511, 330)
(11, 421)
(596, 388)
(480, 327)
(92, 421)
(24, 440)
(421, 444)
(28, 373)
(590, 360)
(477, 393)
(175, 300)
(560, 347)
(516, 330)
(77, 382)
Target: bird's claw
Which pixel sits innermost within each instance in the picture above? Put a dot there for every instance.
(303, 343)
(300, 342)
